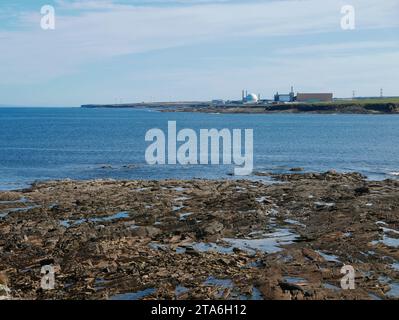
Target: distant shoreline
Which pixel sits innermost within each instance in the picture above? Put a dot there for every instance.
(383, 106)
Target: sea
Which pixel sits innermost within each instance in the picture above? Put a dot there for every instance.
(40, 144)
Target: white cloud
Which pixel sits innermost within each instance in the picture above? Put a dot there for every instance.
(344, 48)
(86, 4)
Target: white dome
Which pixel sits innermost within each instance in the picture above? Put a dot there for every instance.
(252, 98)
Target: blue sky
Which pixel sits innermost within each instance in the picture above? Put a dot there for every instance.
(105, 51)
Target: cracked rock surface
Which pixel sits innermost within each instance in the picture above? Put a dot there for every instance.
(202, 239)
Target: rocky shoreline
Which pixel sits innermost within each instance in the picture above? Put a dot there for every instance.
(202, 239)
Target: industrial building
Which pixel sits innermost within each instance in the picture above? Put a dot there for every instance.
(218, 102)
(314, 97)
(303, 97)
(250, 98)
(255, 99)
(289, 97)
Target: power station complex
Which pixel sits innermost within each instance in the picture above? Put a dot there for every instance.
(291, 97)
(303, 97)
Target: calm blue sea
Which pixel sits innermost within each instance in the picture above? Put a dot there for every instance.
(57, 143)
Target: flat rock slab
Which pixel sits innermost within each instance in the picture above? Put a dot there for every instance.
(111, 239)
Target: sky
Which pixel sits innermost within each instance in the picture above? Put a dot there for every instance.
(108, 51)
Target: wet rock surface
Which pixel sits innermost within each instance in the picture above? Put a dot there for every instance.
(202, 239)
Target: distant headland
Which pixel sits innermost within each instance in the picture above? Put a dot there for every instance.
(350, 106)
(281, 103)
